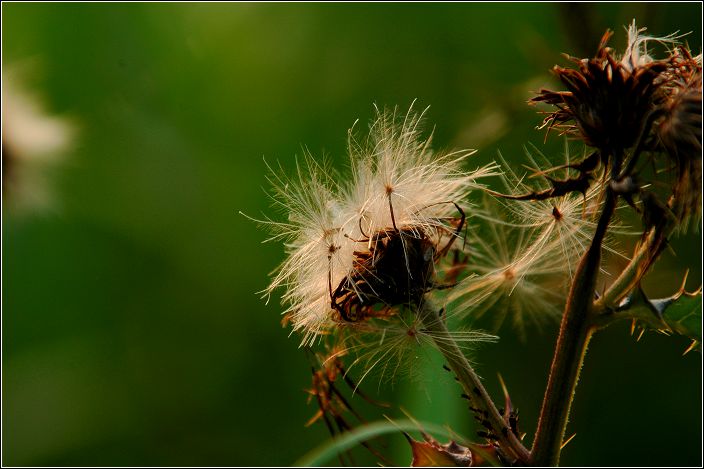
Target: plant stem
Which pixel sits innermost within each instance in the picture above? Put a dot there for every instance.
(471, 384)
(572, 342)
(629, 277)
(644, 256)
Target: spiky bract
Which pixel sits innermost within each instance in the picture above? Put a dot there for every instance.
(608, 100)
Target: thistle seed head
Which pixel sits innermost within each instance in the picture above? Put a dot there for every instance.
(516, 274)
(562, 223)
(361, 247)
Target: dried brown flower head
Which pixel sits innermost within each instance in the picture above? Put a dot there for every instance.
(679, 132)
(608, 101)
(630, 104)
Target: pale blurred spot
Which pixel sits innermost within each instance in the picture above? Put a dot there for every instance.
(33, 141)
(489, 127)
(27, 129)
(529, 88)
(494, 122)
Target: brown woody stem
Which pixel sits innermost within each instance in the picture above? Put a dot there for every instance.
(471, 384)
(572, 342)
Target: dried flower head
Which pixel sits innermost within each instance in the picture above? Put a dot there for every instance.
(608, 100)
(679, 132)
(361, 248)
(630, 105)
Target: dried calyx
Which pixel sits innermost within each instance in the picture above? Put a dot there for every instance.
(629, 106)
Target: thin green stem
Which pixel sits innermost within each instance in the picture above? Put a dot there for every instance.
(644, 257)
(628, 277)
(472, 385)
(572, 343)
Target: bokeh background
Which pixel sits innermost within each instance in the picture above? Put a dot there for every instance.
(132, 333)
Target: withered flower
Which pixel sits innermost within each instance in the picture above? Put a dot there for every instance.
(635, 102)
(609, 101)
(679, 132)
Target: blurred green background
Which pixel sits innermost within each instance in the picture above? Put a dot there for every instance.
(132, 334)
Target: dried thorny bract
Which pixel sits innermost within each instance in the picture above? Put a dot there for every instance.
(431, 453)
(329, 378)
(360, 247)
